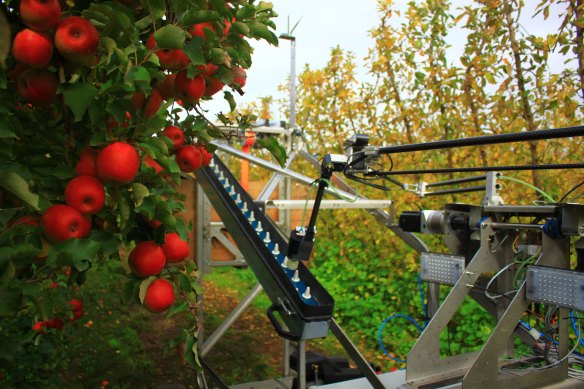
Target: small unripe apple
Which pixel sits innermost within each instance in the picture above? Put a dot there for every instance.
(32, 48)
(166, 88)
(86, 164)
(61, 222)
(147, 259)
(38, 87)
(189, 159)
(175, 249)
(159, 296)
(40, 15)
(86, 194)
(117, 163)
(189, 89)
(176, 135)
(76, 39)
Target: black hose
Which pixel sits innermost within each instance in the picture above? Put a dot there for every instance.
(480, 169)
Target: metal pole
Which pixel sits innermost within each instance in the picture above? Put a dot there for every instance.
(292, 82)
(229, 320)
(302, 364)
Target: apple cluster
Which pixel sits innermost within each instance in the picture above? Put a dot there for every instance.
(74, 38)
(58, 323)
(188, 157)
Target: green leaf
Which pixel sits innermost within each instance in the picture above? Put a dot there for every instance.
(177, 308)
(260, 30)
(156, 8)
(16, 185)
(198, 16)
(170, 37)
(6, 130)
(4, 38)
(194, 51)
(73, 252)
(191, 352)
(139, 192)
(10, 300)
(272, 145)
(144, 287)
(218, 56)
(240, 28)
(78, 97)
(229, 97)
(137, 73)
(245, 12)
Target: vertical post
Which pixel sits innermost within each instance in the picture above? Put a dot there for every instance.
(301, 364)
(292, 82)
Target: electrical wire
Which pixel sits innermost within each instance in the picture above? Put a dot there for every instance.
(380, 333)
(578, 334)
(570, 191)
(527, 184)
(487, 294)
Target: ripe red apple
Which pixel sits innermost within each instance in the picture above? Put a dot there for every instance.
(86, 227)
(153, 223)
(159, 296)
(208, 69)
(138, 100)
(189, 159)
(153, 104)
(149, 162)
(86, 164)
(199, 29)
(212, 86)
(40, 15)
(76, 39)
(76, 304)
(38, 87)
(77, 315)
(55, 323)
(170, 59)
(207, 156)
(61, 222)
(32, 48)
(167, 87)
(147, 259)
(176, 135)
(189, 89)
(227, 27)
(175, 249)
(86, 194)
(39, 326)
(117, 163)
(239, 77)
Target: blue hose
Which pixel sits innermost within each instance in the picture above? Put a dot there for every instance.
(424, 305)
(379, 333)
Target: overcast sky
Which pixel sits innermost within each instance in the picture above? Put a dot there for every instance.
(325, 24)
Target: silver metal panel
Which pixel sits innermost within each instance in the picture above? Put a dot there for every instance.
(327, 204)
(556, 287)
(441, 268)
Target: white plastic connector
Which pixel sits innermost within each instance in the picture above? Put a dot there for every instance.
(267, 238)
(296, 277)
(276, 250)
(259, 227)
(306, 293)
(285, 263)
(251, 217)
(244, 208)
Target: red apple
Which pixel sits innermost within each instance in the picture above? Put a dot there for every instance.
(149, 162)
(189, 159)
(86, 164)
(167, 87)
(199, 29)
(86, 227)
(76, 304)
(207, 156)
(176, 135)
(39, 326)
(147, 259)
(208, 69)
(55, 323)
(159, 296)
(76, 39)
(175, 249)
(227, 27)
(38, 87)
(213, 86)
(32, 48)
(153, 223)
(117, 163)
(170, 59)
(239, 77)
(86, 194)
(153, 104)
(61, 222)
(189, 89)
(77, 315)
(40, 15)
(138, 100)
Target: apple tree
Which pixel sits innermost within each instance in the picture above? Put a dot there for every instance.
(101, 111)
